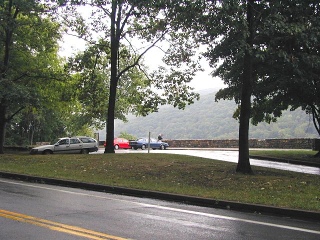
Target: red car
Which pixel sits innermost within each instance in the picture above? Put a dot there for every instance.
(120, 143)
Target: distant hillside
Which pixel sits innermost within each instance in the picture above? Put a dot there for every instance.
(207, 119)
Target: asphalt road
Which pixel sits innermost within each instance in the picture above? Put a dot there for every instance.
(39, 211)
(229, 156)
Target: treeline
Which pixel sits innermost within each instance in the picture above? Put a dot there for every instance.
(207, 119)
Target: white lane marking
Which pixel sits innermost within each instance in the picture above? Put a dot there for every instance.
(209, 215)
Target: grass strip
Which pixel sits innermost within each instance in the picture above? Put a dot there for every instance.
(301, 155)
(177, 174)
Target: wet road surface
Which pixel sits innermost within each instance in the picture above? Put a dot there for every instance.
(39, 211)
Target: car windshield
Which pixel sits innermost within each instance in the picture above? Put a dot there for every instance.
(55, 141)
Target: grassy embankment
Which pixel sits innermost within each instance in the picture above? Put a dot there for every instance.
(179, 174)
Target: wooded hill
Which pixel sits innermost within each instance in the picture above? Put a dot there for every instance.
(207, 119)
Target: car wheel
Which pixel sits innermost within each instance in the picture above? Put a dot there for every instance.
(85, 151)
(116, 147)
(46, 152)
(143, 147)
(162, 147)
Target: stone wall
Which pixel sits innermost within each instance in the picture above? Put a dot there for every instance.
(296, 143)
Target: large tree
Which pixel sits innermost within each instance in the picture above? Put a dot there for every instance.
(279, 42)
(265, 51)
(237, 28)
(28, 54)
(123, 23)
(146, 20)
(228, 29)
(292, 51)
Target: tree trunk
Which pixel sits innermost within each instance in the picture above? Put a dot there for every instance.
(246, 91)
(113, 80)
(3, 123)
(243, 160)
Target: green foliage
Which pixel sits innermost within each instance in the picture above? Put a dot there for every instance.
(285, 54)
(266, 53)
(29, 62)
(34, 125)
(292, 52)
(122, 21)
(92, 84)
(127, 136)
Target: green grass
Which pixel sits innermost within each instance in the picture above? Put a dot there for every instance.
(175, 174)
(301, 155)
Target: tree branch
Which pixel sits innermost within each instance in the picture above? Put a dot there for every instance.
(12, 116)
(141, 55)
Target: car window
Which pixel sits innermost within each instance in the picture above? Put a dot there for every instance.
(64, 142)
(87, 140)
(74, 141)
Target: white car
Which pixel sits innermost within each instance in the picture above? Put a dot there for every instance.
(69, 145)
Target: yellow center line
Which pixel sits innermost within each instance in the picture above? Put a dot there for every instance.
(82, 232)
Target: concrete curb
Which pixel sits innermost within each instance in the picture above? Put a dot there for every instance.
(205, 202)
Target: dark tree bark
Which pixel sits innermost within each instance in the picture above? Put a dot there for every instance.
(3, 123)
(246, 92)
(5, 62)
(115, 39)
